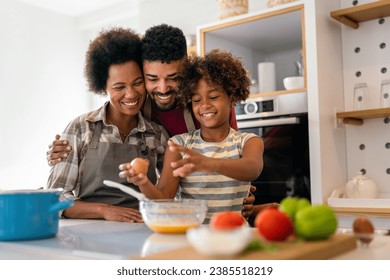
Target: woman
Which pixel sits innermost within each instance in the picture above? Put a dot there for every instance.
(110, 135)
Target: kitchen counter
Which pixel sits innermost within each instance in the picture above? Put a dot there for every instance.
(92, 239)
(97, 239)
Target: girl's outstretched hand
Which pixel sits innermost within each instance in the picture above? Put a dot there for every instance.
(191, 161)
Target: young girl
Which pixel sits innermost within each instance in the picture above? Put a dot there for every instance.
(214, 163)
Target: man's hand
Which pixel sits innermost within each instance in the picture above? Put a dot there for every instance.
(260, 207)
(58, 151)
(247, 207)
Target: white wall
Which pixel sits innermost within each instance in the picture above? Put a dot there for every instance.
(186, 14)
(42, 86)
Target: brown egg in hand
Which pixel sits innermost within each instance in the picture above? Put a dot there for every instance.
(363, 229)
(139, 166)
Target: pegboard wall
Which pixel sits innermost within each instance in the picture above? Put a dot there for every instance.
(366, 59)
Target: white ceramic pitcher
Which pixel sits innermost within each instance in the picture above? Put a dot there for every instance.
(361, 186)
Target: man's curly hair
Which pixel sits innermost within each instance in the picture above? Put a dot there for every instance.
(164, 43)
(219, 68)
(114, 46)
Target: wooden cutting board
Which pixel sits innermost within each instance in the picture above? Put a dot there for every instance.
(289, 250)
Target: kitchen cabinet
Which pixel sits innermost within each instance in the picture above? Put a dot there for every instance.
(271, 35)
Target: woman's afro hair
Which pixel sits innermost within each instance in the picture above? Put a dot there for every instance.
(114, 46)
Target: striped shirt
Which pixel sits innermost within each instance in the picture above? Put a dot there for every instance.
(222, 193)
(68, 174)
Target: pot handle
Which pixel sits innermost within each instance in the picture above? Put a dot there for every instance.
(60, 206)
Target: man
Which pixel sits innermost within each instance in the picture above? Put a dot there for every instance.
(163, 48)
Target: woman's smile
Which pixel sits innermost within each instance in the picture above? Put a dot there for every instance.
(131, 104)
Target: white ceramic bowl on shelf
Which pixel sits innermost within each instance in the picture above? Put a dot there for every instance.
(293, 82)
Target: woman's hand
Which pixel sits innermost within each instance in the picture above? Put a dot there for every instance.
(191, 162)
(122, 214)
(58, 151)
(95, 210)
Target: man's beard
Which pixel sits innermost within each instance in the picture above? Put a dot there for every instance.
(165, 107)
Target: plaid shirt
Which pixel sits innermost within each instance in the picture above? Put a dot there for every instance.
(67, 174)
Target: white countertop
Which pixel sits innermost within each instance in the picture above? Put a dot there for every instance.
(97, 239)
(92, 239)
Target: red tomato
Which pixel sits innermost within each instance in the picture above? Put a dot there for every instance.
(274, 225)
(226, 220)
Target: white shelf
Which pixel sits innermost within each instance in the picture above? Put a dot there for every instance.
(383, 201)
(375, 207)
(353, 16)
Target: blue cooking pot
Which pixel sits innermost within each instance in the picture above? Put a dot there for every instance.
(30, 214)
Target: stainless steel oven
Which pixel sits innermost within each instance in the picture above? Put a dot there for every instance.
(282, 122)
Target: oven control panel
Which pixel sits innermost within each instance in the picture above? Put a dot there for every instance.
(280, 105)
(254, 106)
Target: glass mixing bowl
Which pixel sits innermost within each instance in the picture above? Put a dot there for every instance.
(173, 216)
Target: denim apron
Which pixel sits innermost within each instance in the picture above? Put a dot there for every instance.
(101, 163)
